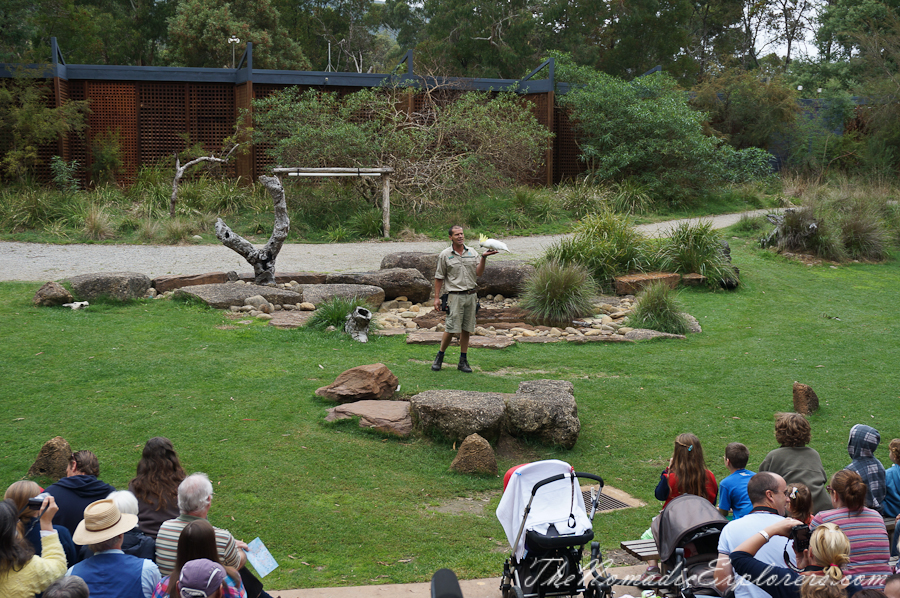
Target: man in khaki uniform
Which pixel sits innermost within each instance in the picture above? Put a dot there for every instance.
(458, 267)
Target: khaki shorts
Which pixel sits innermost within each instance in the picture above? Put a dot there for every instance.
(462, 313)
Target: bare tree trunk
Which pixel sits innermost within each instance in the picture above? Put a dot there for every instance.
(180, 170)
(262, 260)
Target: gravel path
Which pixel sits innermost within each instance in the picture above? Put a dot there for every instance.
(43, 262)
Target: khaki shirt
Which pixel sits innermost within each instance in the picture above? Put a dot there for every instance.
(457, 271)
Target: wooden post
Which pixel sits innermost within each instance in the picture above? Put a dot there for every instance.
(386, 204)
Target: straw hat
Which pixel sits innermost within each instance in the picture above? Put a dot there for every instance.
(102, 521)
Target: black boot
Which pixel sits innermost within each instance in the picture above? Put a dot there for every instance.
(464, 364)
(438, 360)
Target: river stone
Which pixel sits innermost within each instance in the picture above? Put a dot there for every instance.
(425, 263)
(123, 286)
(365, 382)
(544, 410)
(475, 455)
(455, 414)
(391, 417)
(396, 282)
(503, 278)
(51, 294)
(424, 337)
(52, 460)
(320, 293)
(223, 296)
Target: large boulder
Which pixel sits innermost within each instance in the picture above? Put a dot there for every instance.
(475, 455)
(504, 278)
(365, 382)
(544, 410)
(396, 282)
(320, 293)
(163, 284)
(223, 296)
(52, 460)
(51, 294)
(425, 263)
(456, 414)
(123, 286)
(391, 417)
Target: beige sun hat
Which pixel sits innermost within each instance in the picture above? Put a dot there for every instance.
(102, 521)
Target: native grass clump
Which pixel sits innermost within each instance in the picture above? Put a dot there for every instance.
(697, 248)
(838, 221)
(607, 245)
(334, 313)
(439, 140)
(656, 307)
(558, 293)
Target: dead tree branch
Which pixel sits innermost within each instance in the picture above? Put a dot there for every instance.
(262, 260)
(180, 170)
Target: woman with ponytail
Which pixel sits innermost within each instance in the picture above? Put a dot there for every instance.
(869, 545)
(819, 572)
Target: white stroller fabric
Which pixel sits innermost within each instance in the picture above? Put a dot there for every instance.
(552, 503)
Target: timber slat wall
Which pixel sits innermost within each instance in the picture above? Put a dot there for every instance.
(153, 108)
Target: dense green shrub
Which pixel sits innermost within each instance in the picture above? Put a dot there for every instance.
(558, 293)
(656, 307)
(696, 248)
(606, 244)
(641, 130)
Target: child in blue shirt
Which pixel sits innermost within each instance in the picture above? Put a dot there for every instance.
(733, 489)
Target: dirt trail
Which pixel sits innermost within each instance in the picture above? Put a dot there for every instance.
(43, 262)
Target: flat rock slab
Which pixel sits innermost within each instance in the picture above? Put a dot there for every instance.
(396, 282)
(117, 285)
(320, 293)
(390, 332)
(633, 283)
(283, 277)
(513, 316)
(642, 334)
(600, 338)
(479, 342)
(456, 414)
(163, 284)
(537, 339)
(391, 417)
(425, 263)
(223, 296)
(290, 319)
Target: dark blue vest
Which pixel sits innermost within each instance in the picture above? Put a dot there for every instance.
(112, 575)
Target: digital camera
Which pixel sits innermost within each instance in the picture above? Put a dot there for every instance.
(36, 502)
(800, 534)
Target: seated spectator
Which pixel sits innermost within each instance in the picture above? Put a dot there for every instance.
(68, 587)
(820, 576)
(892, 586)
(769, 495)
(20, 492)
(799, 502)
(78, 489)
(795, 461)
(156, 485)
(110, 573)
(861, 445)
(869, 549)
(733, 489)
(198, 541)
(892, 482)
(135, 542)
(22, 574)
(195, 495)
(201, 578)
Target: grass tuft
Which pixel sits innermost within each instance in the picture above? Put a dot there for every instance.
(696, 248)
(657, 308)
(558, 293)
(334, 312)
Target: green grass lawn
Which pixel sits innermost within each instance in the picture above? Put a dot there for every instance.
(337, 505)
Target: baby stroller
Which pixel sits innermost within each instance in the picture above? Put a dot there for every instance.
(547, 523)
(687, 534)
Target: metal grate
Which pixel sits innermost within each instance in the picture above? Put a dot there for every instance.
(606, 503)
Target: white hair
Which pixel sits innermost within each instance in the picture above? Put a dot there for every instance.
(194, 493)
(125, 501)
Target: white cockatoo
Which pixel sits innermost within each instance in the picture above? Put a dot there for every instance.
(77, 304)
(493, 244)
